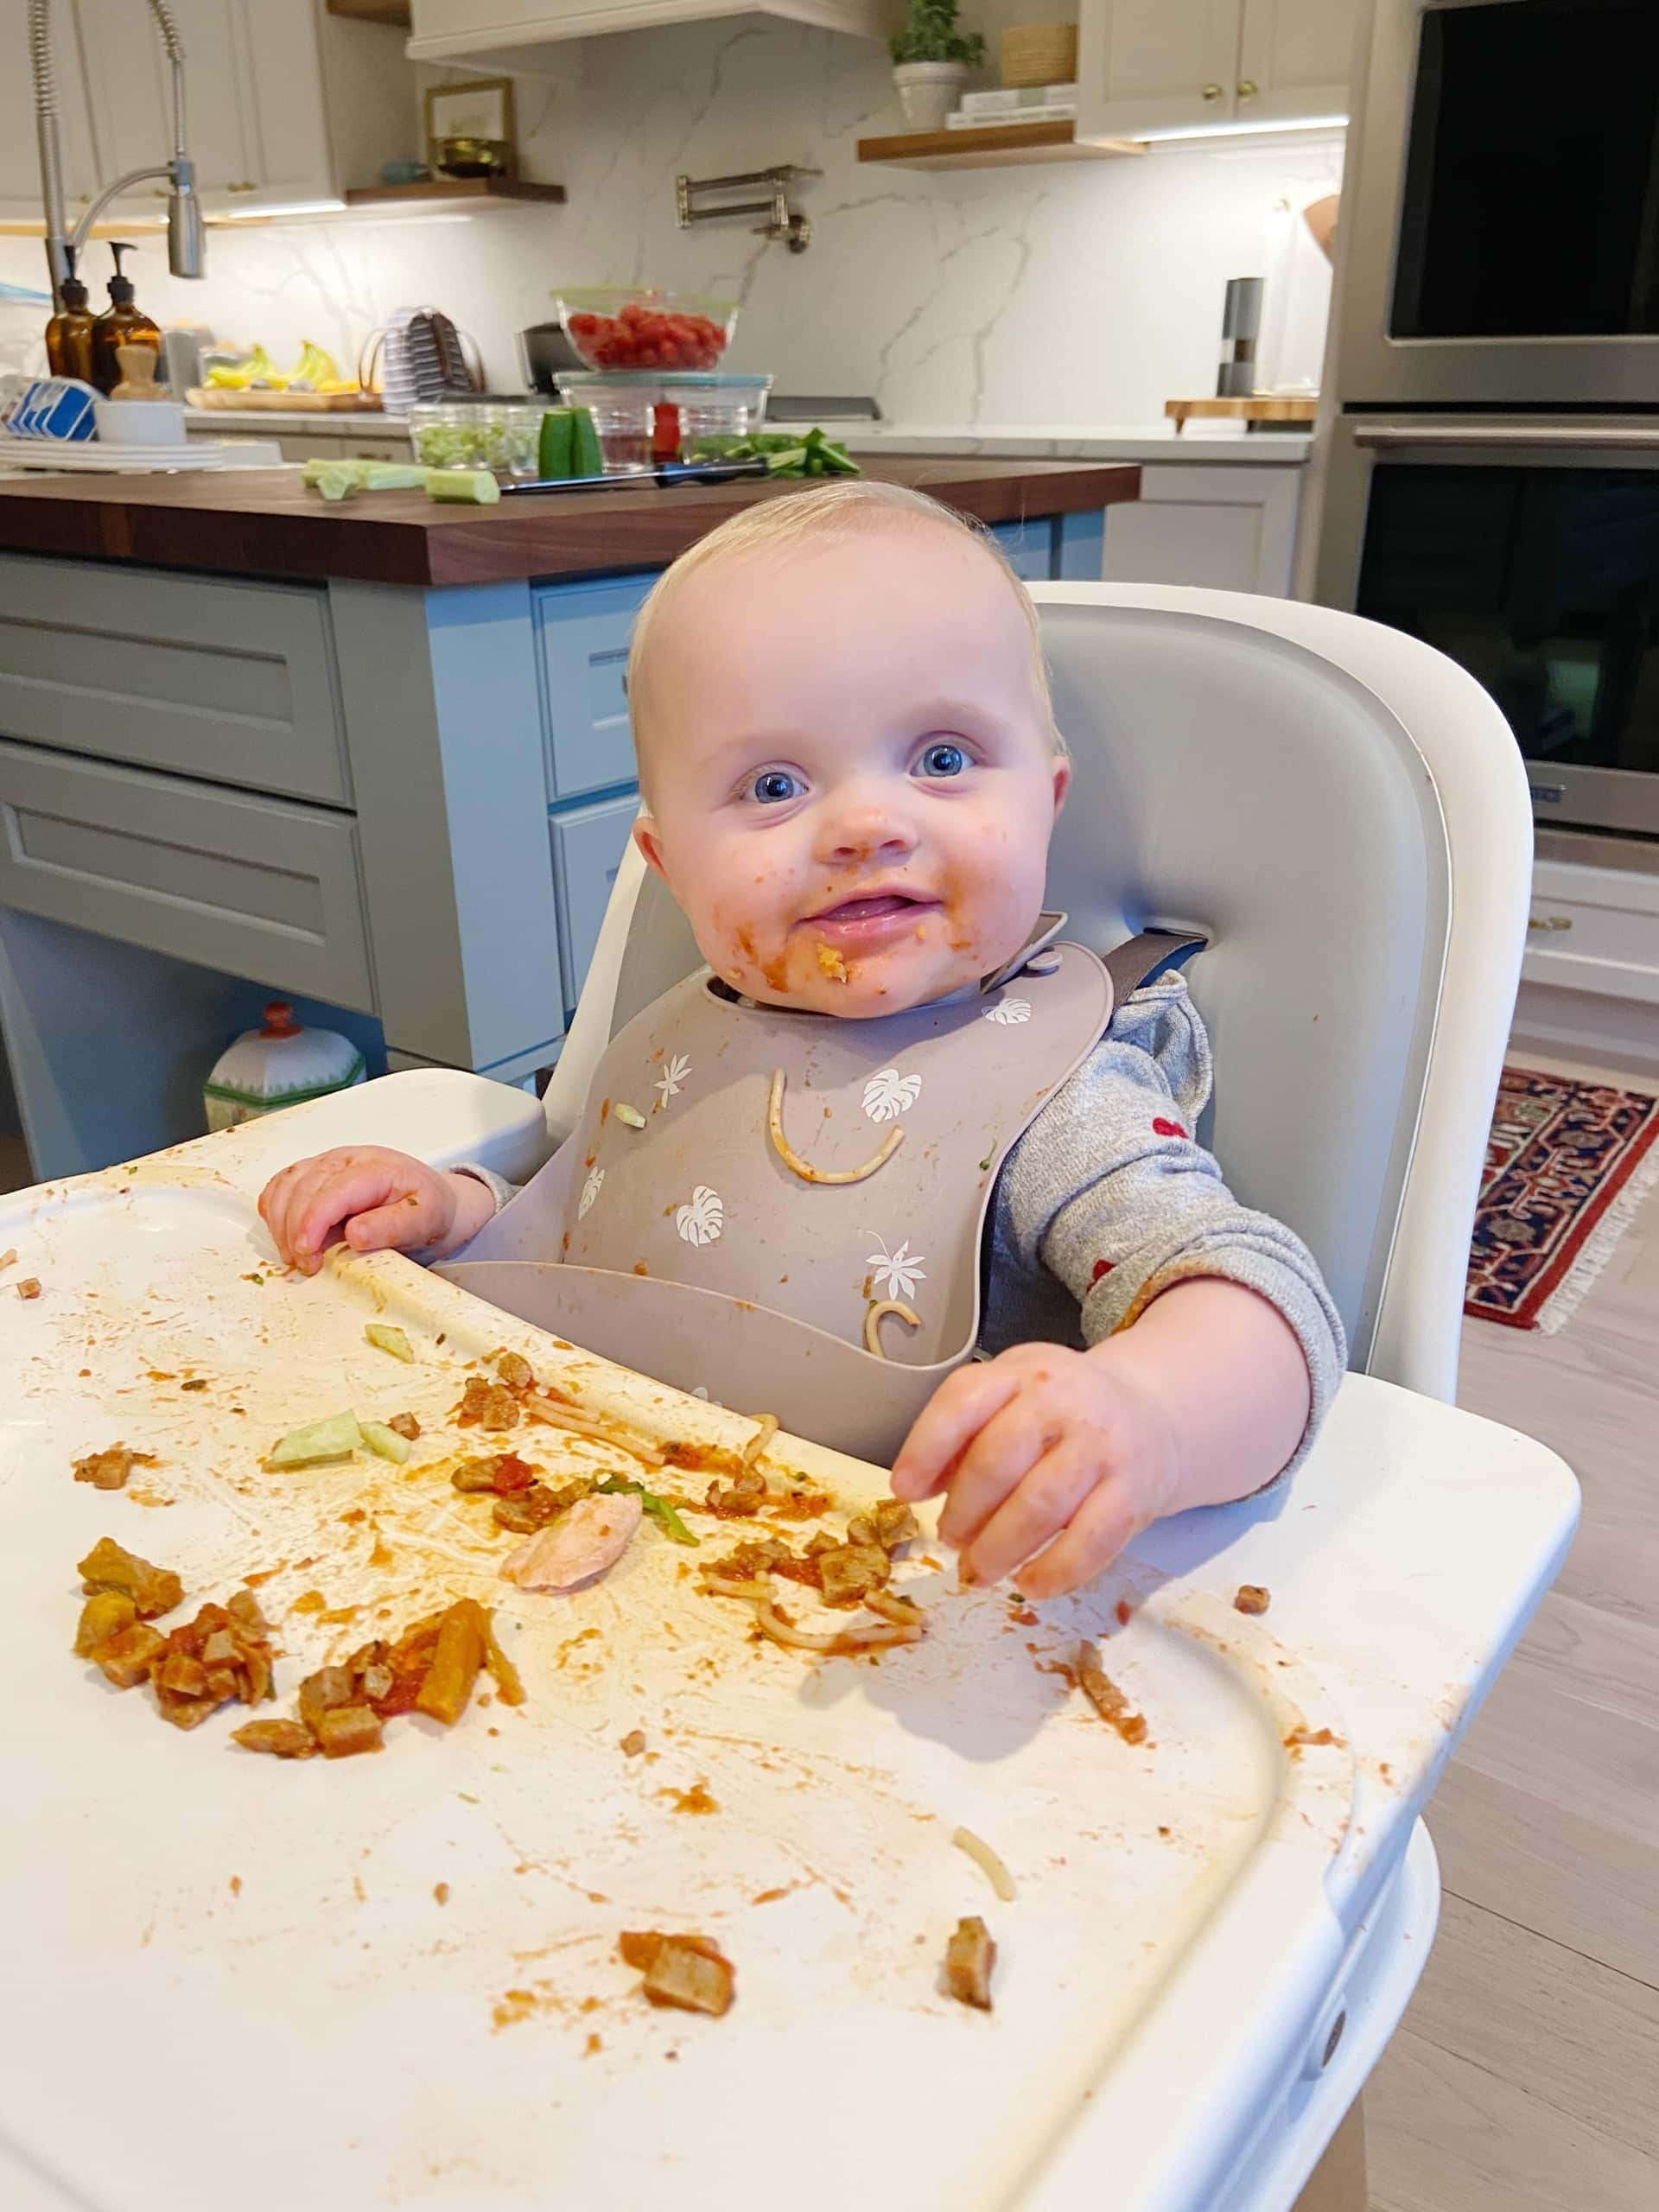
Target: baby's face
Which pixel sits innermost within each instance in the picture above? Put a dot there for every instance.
(852, 778)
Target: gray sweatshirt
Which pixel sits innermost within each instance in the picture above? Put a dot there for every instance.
(1107, 1200)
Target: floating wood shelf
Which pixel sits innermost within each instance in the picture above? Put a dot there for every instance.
(439, 193)
(373, 11)
(997, 146)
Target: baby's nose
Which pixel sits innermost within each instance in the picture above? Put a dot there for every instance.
(865, 831)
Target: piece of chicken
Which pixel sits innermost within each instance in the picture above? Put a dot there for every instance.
(579, 1547)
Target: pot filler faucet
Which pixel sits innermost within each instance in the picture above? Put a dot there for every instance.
(187, 250)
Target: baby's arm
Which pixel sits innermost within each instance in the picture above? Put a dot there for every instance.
(380, 1200)
(1214, 1345)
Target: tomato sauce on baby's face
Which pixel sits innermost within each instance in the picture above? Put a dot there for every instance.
(853, 780)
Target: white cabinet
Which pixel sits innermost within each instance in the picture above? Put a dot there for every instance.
(1149, 68)
(516, 34)
(20, 166)
(1230, 525)
(286, 106)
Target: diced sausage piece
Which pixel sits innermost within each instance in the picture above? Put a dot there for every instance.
(848, 1572)
(326, 1690)
(476, 1475)
(970, 1957)
(404, 1425)
(588, 1541)
(634, 1743)
(498, 1408)
(1251, 1599)
(187, 1712)
(893, 1522)
(109, 1470)
(284, 1740)
(183, 1675)
(1107, 1699)
(101, 1618)
(243, 1610)
(686, 1971)
(152, 1589)
(126, 1658)
(348, 1729)
(376, 1682)
(515, 1371)
(218, 1649)
(30, 1286)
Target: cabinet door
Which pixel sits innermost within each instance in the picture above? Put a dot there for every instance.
(1296, 57)
(129, 82)
(290, 158)
(20, 166)
(1230, 527)
(1151, 66)
(588, 843)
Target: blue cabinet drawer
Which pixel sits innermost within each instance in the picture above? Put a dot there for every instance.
(1029, 546)
(588, 843)
(581, 642)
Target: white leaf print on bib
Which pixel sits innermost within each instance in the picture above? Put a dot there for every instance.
(1010, 1011)
(672, 1079)
(702, 1220)
(896, 1274)
(590, 1191)
(888, 1093)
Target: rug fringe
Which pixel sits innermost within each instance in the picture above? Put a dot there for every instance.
(1599, 1246)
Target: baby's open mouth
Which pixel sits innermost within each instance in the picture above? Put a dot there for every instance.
(875, 922)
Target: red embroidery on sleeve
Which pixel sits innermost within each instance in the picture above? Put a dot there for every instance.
(1160, 1127)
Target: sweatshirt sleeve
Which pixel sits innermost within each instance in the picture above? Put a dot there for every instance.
(1109, 1193)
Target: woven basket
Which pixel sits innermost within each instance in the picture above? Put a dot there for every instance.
(1040, 53)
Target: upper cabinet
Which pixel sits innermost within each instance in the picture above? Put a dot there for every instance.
(286, 106)
(514, 33)
(1149, 68)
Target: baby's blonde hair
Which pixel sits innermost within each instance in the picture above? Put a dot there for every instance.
(827, 513)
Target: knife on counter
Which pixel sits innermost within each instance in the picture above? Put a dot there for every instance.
(668, 473)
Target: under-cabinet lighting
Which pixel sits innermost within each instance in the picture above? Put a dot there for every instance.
(1245, 129)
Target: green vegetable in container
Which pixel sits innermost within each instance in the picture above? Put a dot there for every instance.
(786, 453)
(658, 1507)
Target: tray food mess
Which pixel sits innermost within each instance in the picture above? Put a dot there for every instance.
(437, 1973)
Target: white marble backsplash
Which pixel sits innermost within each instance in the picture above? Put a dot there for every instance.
(1068, 293)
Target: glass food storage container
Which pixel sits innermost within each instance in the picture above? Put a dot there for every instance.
(499, 435)
(646, 419)
(624, 409)
(623, 329)
(711, 407)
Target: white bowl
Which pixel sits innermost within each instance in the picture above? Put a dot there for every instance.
(139, 422)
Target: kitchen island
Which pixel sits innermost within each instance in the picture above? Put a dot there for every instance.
(373, 756)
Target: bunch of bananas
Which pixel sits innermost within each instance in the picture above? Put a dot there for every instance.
(314, 371)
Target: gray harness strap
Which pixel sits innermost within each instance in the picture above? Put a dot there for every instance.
(1138, 959)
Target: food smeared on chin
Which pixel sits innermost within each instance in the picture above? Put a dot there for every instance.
(832, 964)
(688, 1972)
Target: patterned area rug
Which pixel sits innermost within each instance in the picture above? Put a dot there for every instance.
(1567, 1163)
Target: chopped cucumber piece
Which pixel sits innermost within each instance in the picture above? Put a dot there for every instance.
(586, 459)
(630, 1116)
(392, 476)
(555, 456)
(385, 1337)
(470, 487)
(337, 1437)
(385, 1441)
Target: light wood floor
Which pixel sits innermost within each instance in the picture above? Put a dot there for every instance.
(1525, 2077)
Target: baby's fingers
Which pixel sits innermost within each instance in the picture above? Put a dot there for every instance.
(952, 1417)
(1100, 1528)
(1036, 1510)
(407, 1223)
(339, 1192)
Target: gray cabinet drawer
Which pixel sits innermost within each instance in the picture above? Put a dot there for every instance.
(231, 682)
(251, 886)
(588, 848)
(1029, 546)
(581, 639)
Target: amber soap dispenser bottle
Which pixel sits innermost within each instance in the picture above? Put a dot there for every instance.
(122, 323)
(69, 335)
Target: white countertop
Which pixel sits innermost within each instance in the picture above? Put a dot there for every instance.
(1000, 441)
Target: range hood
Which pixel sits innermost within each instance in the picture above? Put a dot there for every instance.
(516, 35)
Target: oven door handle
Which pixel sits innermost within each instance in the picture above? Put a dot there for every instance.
(1514, 436)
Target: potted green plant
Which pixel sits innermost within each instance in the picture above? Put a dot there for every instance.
(930, 61)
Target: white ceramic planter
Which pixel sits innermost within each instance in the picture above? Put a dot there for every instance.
(928, 91)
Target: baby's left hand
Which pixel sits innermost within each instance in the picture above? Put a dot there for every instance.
(1051, 1461)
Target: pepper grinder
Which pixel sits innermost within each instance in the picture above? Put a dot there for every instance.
(1241, 326)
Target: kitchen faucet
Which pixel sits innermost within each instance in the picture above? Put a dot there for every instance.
(187, 250)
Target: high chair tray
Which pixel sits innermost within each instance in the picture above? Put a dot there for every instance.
(392, 1977)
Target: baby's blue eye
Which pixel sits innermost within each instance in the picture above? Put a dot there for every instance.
(943, 761)
(773, 786)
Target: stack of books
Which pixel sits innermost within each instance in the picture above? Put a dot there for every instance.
(1027, 103)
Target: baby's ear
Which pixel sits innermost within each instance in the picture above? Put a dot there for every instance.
(648, 838)
(1062, 768)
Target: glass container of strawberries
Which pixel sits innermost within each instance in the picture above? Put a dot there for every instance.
(615, 326)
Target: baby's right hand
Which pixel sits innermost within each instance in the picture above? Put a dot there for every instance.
(386, 1200)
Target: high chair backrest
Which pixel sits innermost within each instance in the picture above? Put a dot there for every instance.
(1343, 813)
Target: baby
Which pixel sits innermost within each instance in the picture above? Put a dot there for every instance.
(849, 774)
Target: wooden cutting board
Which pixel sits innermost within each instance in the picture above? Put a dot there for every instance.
(1253, 409)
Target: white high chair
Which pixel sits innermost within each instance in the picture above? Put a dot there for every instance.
(1343, 813)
